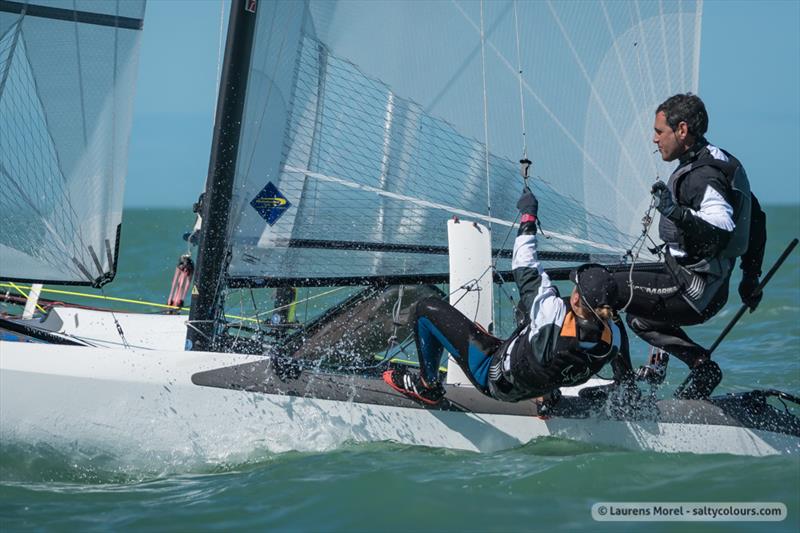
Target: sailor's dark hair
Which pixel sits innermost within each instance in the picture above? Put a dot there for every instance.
(688, 108)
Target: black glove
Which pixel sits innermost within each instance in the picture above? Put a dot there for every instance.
(527, 203)
(545, 404)
(665, 202)
(747, 291)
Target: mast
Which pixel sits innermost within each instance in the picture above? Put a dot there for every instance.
(222, 168)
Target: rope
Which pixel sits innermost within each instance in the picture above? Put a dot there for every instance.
(521, 94)
(103, 297)
(39, 307)
(117, 324)
(396, 316)
(524, 135)
(485, 121)
(150, 304)
(191, 325)
(255, 308)
(647, 221)
(305, 300)
(392, 341)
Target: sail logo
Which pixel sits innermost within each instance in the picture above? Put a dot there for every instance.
(270, 204)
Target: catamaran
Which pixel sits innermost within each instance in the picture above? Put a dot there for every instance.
(369, 144)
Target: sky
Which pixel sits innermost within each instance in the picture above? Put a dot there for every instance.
(749, 81)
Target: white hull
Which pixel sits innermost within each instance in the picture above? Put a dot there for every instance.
(99, 328)
(142, 406)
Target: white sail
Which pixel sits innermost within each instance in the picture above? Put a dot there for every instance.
(67, 73)
(369, 124)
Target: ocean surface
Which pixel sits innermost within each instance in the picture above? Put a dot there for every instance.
(549, 484)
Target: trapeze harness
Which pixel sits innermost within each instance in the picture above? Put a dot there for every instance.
(704, 273)
(517, 373)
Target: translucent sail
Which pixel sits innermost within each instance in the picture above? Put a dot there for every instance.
(369, 124)
(67, 73)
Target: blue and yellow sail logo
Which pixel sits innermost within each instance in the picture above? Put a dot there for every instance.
(270, 203)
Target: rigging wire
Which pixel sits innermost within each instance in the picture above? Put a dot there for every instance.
(521, 93)
(485, 121)
(524, 162)
(647, 219)
(255, 309)
(398, 306)
(493, 267)
(116, 323)
(390, 356)
(638, 244)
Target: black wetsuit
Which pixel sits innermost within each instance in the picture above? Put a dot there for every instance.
(542, 355)
(693, 283)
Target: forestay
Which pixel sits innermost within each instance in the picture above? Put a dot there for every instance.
(67, 72)
(368, 124)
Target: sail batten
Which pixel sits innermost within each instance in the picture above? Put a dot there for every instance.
(79, 16)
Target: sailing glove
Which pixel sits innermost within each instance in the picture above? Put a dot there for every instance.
(751, 297)
(665, 202)
(527, 203)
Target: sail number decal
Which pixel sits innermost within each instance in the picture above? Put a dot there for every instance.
(270, 203)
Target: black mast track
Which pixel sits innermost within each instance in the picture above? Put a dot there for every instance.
(556, 274)
(577, 257)
(71, 15)
(222, 168)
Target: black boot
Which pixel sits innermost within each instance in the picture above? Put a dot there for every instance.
(700, 382)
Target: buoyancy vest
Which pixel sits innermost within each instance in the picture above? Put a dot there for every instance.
(703, 275)
(739, 198)
(531, 375)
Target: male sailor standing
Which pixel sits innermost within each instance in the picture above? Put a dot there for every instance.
(709, 217)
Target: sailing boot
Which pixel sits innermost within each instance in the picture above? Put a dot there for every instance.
(412, 386)
(701, 381)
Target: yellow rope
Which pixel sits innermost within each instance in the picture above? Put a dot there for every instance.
(14, 286)
(164, 306)
(114, 299)
(97, 297)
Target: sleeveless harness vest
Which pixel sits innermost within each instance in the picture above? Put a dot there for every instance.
(566, 363)
(702, 275)
(740, 200)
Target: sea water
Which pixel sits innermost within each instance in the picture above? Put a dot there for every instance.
(548, 484)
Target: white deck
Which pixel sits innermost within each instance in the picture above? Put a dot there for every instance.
(99, 328)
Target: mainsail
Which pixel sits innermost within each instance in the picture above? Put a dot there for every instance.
(366, 125)
(365, 129)
(67, 72)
